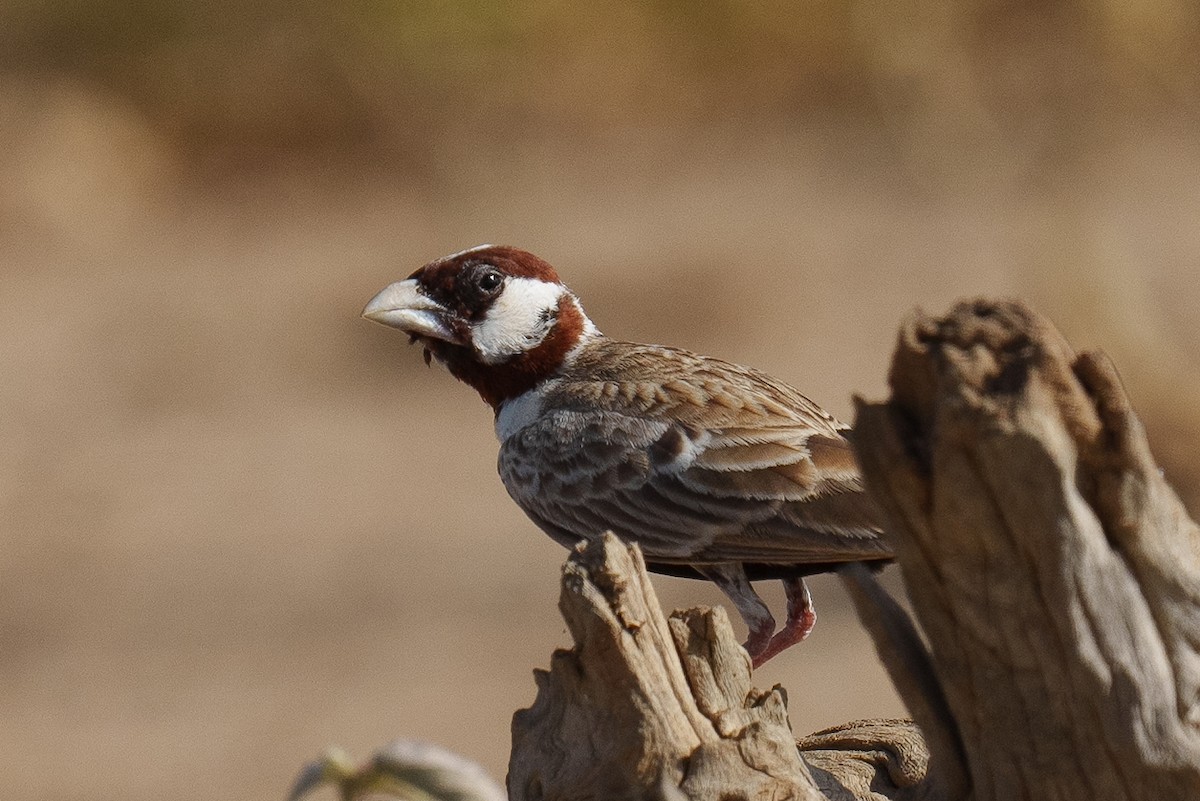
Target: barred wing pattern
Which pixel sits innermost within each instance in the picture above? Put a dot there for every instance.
(722, 465)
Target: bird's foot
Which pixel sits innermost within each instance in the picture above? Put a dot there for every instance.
(759, 641)
(785, 638)
(800, 621)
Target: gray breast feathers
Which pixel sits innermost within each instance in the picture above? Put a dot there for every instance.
(781, 493)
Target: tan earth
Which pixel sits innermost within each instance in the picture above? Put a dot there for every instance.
(238, 524)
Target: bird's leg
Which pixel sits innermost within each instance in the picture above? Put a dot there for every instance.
(800, 620)
(731, 579)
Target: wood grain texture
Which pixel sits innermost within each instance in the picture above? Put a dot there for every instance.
(646, 707)
(1054, 572)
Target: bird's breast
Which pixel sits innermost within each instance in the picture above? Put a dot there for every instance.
(517, 413)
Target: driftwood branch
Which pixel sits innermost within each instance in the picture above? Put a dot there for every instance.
(645, 707)
(1054, 572)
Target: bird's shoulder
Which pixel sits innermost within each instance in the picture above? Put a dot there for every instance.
(675, 385)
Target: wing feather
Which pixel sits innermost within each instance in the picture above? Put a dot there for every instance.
(728, 465)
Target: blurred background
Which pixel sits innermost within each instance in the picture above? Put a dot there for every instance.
(239, 524)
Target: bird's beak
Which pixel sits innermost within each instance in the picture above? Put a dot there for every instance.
(401, 306)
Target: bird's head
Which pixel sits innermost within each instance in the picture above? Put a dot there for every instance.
(497, 317)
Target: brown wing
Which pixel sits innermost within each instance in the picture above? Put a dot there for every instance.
(723, 464)
(809, 482)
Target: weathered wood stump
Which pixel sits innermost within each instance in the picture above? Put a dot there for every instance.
(1054, 573)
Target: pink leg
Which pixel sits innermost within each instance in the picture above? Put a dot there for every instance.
(731, 579)
(800, 620)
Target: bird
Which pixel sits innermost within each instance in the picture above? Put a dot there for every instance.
(717, 471)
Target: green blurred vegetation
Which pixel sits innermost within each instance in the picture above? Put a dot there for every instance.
(287, 76)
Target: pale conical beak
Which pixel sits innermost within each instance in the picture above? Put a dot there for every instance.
(401, 306)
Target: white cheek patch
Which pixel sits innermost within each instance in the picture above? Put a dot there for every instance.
(519, 319)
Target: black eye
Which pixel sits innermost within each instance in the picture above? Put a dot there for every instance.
(489, 281)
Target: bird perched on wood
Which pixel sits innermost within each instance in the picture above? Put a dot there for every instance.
(717, 471)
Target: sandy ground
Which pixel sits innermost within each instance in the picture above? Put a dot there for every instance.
(239, 524)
